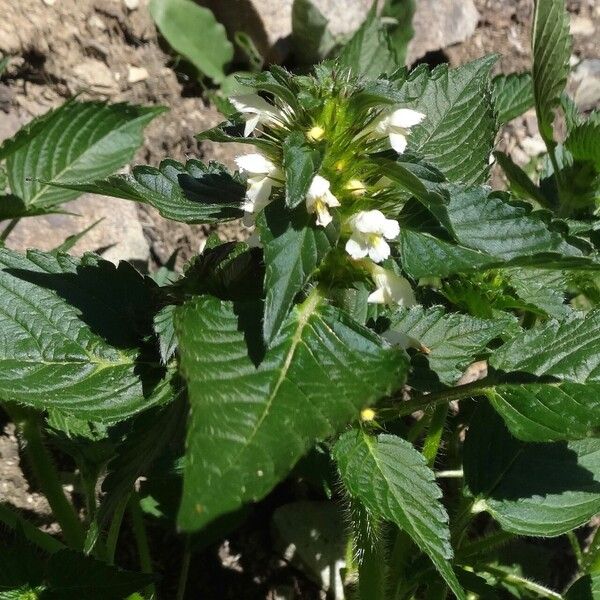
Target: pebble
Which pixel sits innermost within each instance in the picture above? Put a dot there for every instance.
(582, 26)
(136, 74)
(49, 2)
(131, 4)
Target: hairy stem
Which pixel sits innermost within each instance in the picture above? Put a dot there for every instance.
(524, 583)
(112, 536)
(141, 540)
(591, 557)
(46, 475)
(434, 434)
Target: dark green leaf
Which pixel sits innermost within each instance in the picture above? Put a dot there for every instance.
(551, 54)
(194, 193)
(293, 249)
(72, 336)
(76, 142)
(584, 143)
(234, 132)
(393, 481)
(401, 31)
(193, 32)
(165, 331)
(300, 163)
(585, 588)
(513, 95)
(530, 489)
(311, 39)
(519, 181)
(250, 424)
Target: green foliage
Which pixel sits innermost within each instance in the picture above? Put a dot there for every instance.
(512, 95)
(311, 39)
(320, 371)
(193, 32)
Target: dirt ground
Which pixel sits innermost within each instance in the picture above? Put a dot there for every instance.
(104, 50)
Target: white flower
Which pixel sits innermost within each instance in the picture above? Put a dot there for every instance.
(262, 176)
(257, 109)
(319, 198)
(370, 229)
(396, 124)
(391, 289)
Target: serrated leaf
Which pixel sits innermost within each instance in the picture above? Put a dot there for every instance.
(513, 95)
(567, 350)
(300, 163)
(311, 39)
(586, 587)
(72, 336)
(458, 131)
(424, 255)
(454, 341)
(531, 489)
(194, 193)
(551, 54)
(369, 52)
(234, 132)
(293, 249)
(76, 142)
(393, 481)
(584, 143)
(193, 32)
(519, 181)
(250, 424)
(539, 412)
(165, 331)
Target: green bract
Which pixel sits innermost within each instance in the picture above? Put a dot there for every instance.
(395, 337)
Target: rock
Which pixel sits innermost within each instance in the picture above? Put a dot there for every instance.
(313, 537)
(118, 236)
(94, 75)
(136, 74)
(269, 23)
(585, 84)
(439, 24)
(131, 4)
(582, 26)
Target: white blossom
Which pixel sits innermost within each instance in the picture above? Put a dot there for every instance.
(319, 198)
(257, 111)
(261, 176)
(370, 229)
(391, 289)
(396, 124)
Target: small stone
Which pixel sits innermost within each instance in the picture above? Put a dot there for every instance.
(533, 146)
(96, 75)
(585, 84)
(97, 23)
(131, 4)
(49, 2)
(136, 74)
(581, 25)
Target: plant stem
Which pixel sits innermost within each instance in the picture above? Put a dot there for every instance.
(591, 557)
(371, 574)
(434, 434)
(524, 583)
(141, 540)
(11, 225)
(46, 475)
(479, 549)
(401, 552)
(112, 537)
(34, 535)
(185, 568)
(576, 548)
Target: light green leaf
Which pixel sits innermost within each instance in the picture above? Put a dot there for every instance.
(193, 32)
(393, 481)
(77, 142)
(567, 350)
(300, 163)
(551, 54)
(400, 30)
(369, 52)
(253, 415)
(293, 249)
(194, 193)
(454, 341)
(513, 95)
(311, 39)
(458, 131)
(72, 336)
(165, 331)
(584, 143)
(531, 489)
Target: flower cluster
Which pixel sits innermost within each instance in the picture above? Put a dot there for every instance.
(366, 230)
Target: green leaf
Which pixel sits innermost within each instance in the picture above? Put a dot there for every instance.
(73, 336)
(13, 207)
(300, 163)
(228, 131)
(78, 141)
(584, 588)
(454, 340)
(194, 193)
(567, 350)
(551, 54)
(394, 483)
(401, 31)
(457, 134)
(530, 489)
(424, 255)
(539, 412)
(369, 52)
(293, 249)
(165, 331)
(253, 415)
(513, 95)
(519, 181)
(488, 222)
(3, 64)
(311, 39)
(193, 32)
(584, 143)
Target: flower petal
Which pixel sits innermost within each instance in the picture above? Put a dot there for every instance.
(377, 297)
(254, 163)
(379, 250)
(323, 217)
(390, 229)
(251, 125)
(258, 195)
(319, 186)
(368, 221)
(251, 103)
(356, 247)
(406, 118)
(398, 142)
